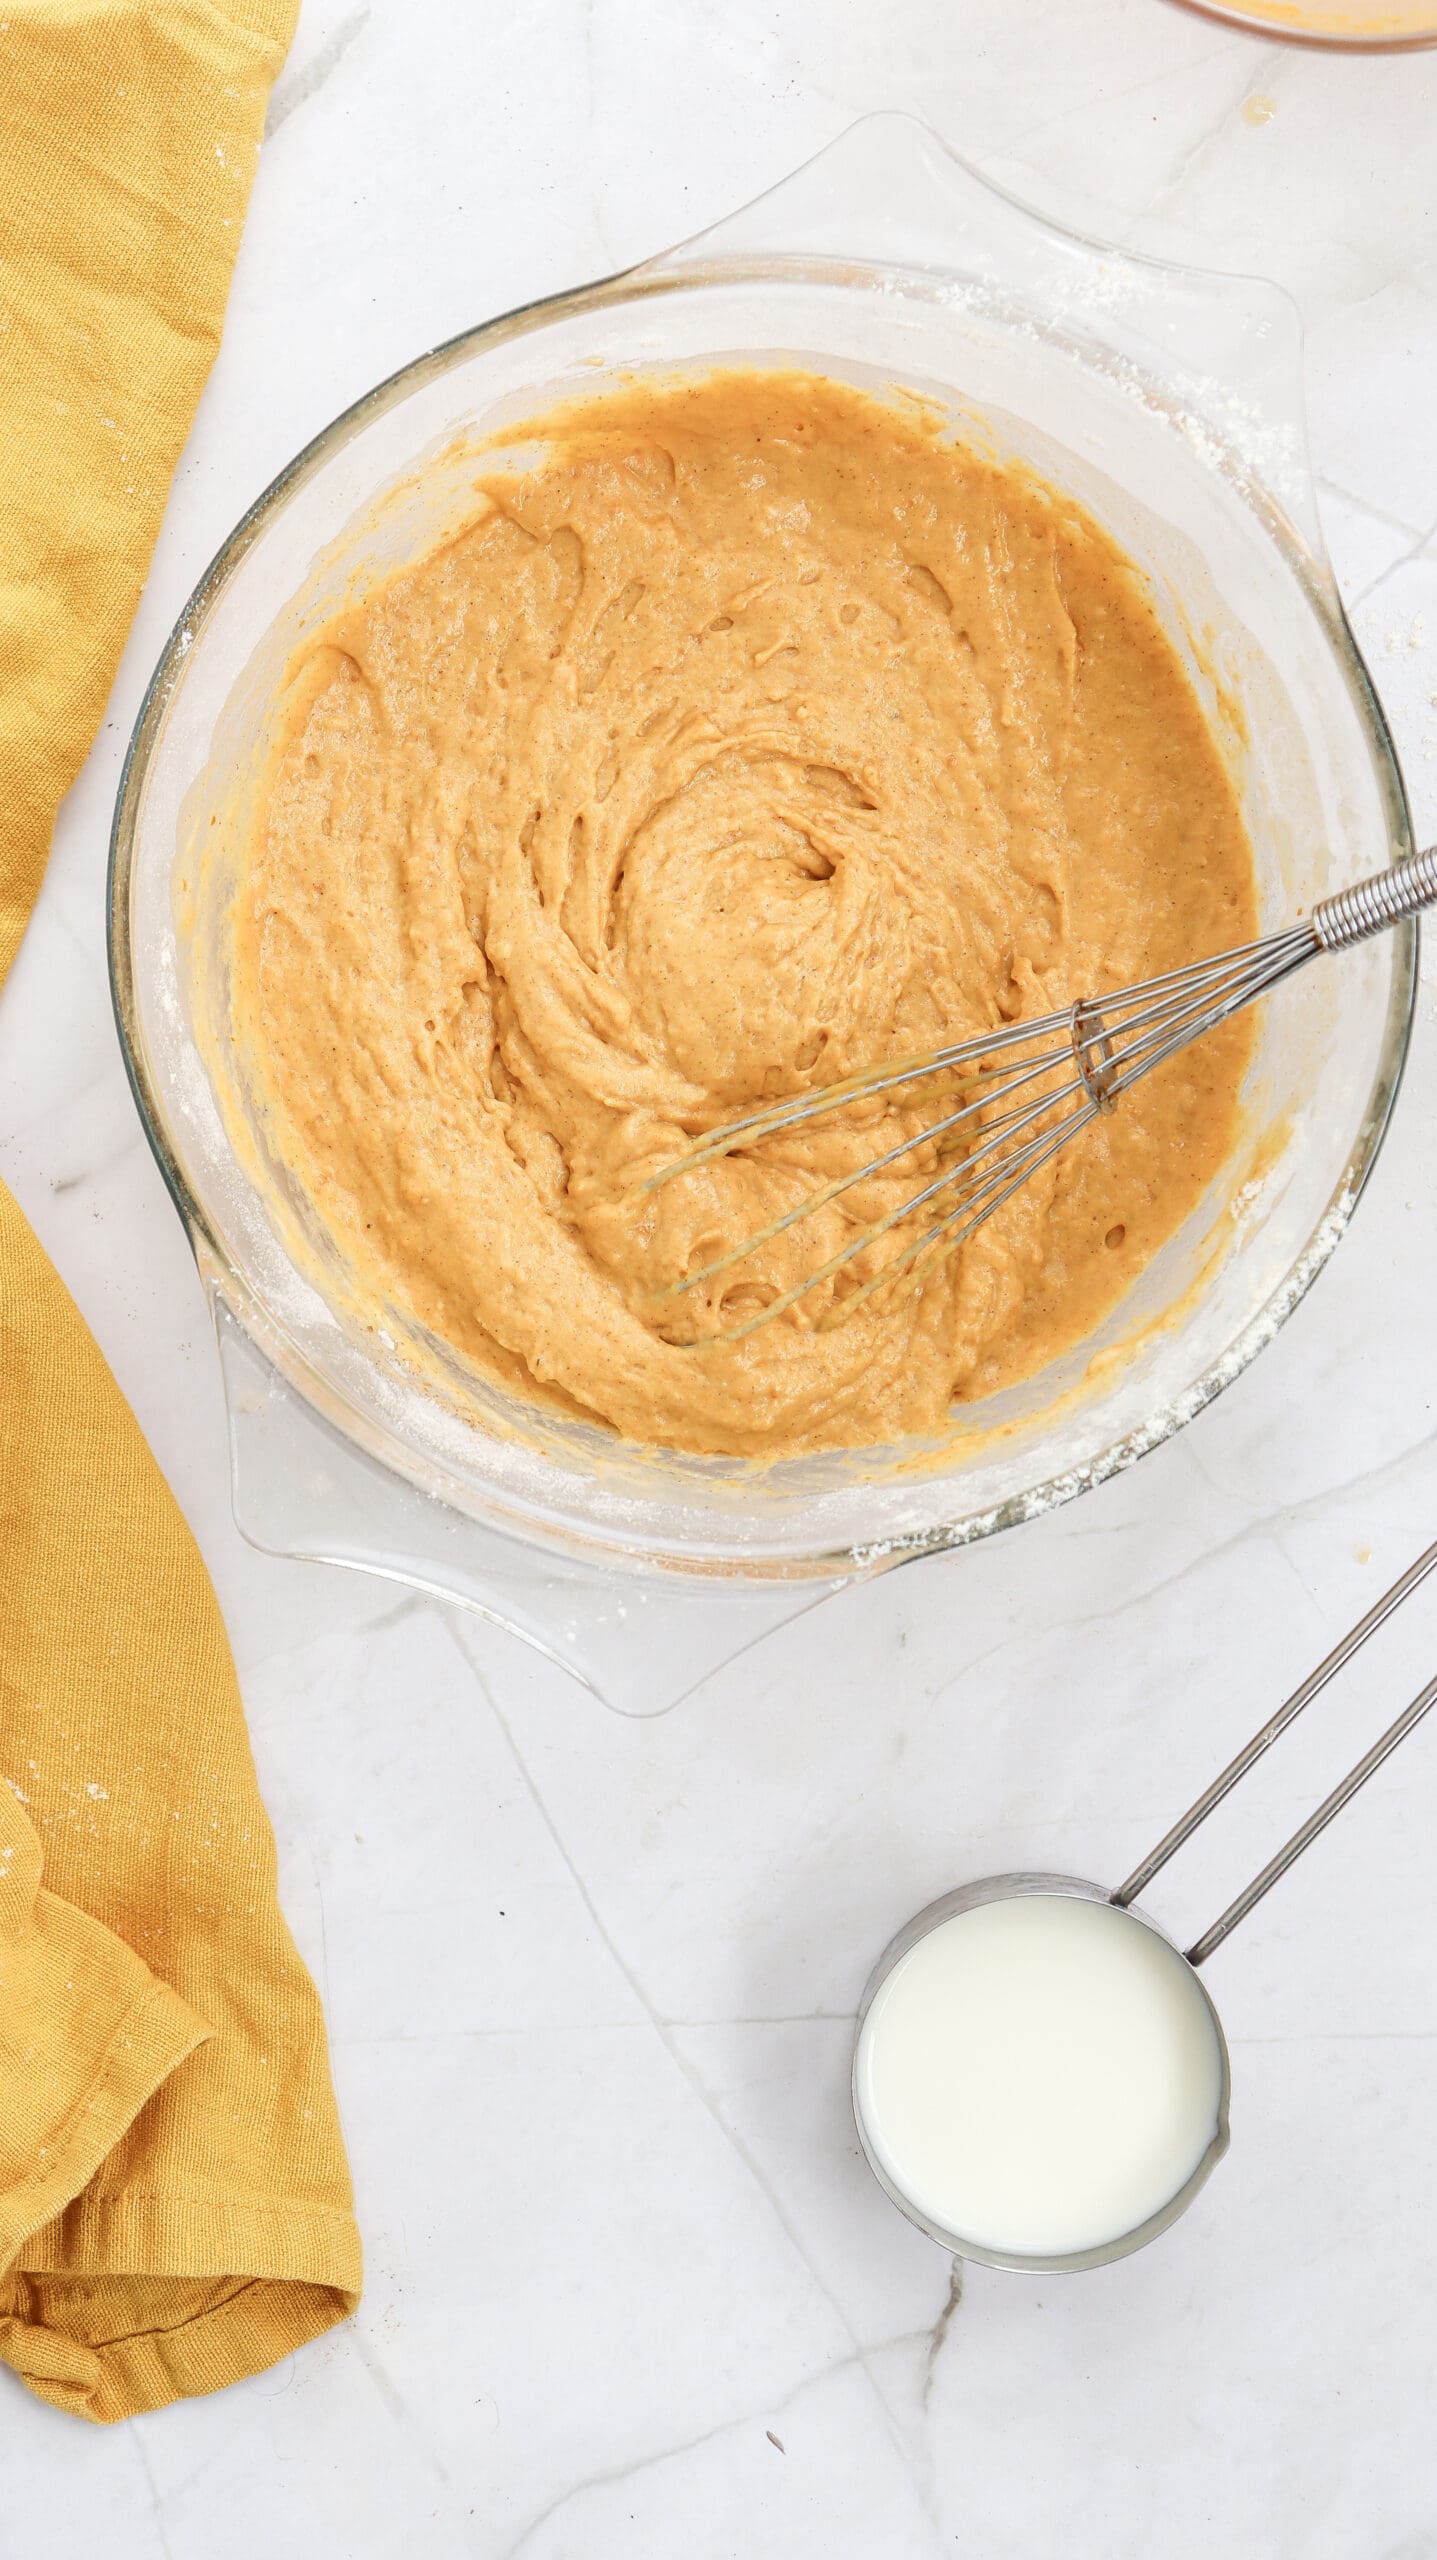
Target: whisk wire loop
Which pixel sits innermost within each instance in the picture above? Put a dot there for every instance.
(1106, 1044)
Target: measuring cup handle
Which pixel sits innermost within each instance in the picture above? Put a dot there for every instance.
(1330, 1806)
(1267, 1735)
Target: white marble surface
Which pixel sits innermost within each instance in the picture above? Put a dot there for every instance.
(589, 1981)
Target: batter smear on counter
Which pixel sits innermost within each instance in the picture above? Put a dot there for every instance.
(751, 732)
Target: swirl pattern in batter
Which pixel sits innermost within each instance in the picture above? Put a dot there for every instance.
(753, 732)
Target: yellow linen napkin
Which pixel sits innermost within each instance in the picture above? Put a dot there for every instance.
(175, 2206)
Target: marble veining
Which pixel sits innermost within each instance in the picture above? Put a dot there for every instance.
(590, 1979)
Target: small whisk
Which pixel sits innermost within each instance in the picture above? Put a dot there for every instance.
(1040, 1083)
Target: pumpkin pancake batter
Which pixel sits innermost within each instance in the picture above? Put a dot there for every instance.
(751, 732)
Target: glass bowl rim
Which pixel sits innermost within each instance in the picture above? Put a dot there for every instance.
(1255, 22)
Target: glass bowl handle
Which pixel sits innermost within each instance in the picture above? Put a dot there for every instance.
(638, 1642)
(1222, 352)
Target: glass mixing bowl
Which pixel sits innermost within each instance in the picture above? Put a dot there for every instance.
(1169, 403)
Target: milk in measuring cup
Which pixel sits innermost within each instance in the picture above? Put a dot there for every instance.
(1039, 2075)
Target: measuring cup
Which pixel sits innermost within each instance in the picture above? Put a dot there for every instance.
(1174, 2010)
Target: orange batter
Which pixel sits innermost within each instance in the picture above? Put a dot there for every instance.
(755, 733)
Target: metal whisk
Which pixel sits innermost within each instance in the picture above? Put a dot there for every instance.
(1041, 1082)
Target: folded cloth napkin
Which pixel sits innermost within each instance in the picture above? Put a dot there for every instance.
(175, 2206)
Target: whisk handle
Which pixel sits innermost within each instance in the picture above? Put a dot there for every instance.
(1374, 904)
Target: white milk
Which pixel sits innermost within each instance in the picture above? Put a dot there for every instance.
(1039, 2075)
